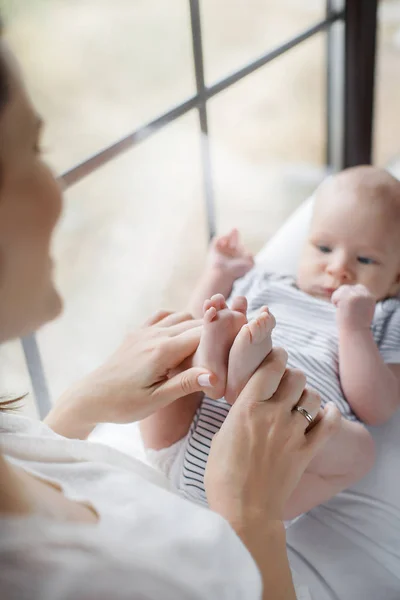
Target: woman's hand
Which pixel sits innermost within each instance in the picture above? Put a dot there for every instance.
(136, 380)
(263, 448)
(257, 459)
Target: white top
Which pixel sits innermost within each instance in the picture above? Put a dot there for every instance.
(149, 544)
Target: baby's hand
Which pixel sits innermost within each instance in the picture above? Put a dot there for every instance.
(355, 306)
(228, 254)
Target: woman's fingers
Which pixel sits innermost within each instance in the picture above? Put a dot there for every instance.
(175, 318)
(179, 328)
(176, 349)
(311, 402)
(290, 389)
(190, 381)
(265, 381)
(159, 316)
(326, 426)
(167, 318)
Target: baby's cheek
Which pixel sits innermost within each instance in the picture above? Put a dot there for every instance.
(314, 268)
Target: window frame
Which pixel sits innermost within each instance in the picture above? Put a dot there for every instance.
(350, 78)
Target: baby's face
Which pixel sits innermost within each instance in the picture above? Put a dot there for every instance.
(351, 241)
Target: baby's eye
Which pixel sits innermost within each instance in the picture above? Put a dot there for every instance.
(324, 249)
(364, 260)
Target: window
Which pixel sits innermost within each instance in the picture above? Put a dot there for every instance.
(236, 135)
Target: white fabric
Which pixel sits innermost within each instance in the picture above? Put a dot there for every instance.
(149, 544)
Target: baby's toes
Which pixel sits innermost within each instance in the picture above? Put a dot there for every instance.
(233, 238)
(239, 304)
(260, 328)
(207, 304)
(209, 314)
(218, 300)
(221, 244)
(269, 321)
(243, 338)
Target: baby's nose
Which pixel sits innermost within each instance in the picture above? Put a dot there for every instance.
(340, 269)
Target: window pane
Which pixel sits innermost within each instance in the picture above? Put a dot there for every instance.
(387, 121)
(132, 240)
(268, 141)
(239, 31)
(97, 69)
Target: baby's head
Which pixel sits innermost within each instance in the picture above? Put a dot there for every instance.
(354, 235)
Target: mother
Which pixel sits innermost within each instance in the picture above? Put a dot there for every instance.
(83, 521)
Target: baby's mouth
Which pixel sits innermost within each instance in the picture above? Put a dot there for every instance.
(325, 292)
(329, 291)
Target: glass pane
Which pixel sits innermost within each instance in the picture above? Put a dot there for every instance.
(387, 122)
(132, 241)
(268, 141)
(239, 31)
(14, 378)
(97, 69)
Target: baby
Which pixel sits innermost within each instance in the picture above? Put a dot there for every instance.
(339, 321)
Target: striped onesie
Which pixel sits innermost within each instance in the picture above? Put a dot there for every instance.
(306, 328)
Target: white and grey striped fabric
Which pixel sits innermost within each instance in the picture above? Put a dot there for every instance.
(306, 328)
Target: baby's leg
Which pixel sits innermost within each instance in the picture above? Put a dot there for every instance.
(221, 325)
(252, 344)
(227, 261)
(170, 424)
(345, 459)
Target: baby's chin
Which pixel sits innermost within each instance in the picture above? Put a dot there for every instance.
(315, 291)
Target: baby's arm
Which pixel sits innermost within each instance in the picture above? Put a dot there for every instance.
(343, 461)
(227, 261)
(371, 387)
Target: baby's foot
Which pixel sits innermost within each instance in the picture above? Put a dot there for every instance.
(221, 325)
(251, 346)
(229, 255)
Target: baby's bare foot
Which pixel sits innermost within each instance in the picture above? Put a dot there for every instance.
(221, 325)
(228, 254)
(252, 344)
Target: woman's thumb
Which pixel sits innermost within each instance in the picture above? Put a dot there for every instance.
(185, 383)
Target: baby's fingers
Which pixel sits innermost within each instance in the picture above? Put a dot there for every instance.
(341, 293)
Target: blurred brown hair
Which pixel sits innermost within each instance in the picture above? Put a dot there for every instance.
(9, 403)
(4, 84)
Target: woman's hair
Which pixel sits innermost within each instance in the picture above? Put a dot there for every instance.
(11, 403)
(4, 87)
(4, 82)
(5, 403)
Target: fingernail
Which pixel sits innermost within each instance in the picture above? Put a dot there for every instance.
(204, 380)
